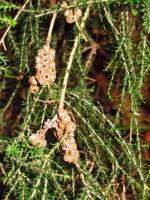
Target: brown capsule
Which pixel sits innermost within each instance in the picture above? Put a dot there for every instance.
(37, 140)
(58, 133)
(78, 13)
(64, 116)
(52, 65)
(71, 127)
(68, 158)
(67, 144)
(40, 72)
(71, 19)
(46, 76)
(73, 146)
(69, 16)
(40, 79)
(34, 89)
(41, 132)
(44, 55)
(68, 13)
(61, 125)
(38, 61)
(71, 156)
(38, 65)
(45, 61)
(32, 80)
(45, 48)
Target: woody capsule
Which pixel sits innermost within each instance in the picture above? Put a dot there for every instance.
(45, 69)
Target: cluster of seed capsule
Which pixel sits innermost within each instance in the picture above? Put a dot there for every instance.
(38, 139)
(66, 125)
(70, 14)
(45, 69)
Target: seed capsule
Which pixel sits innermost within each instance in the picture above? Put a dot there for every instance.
(32, 80)
(71, 127)
(45, 66)
(37, 140)
(34, 89)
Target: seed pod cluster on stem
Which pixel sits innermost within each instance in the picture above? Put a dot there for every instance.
(72, 15)
(63, 122)
(45, 69)
(38, 139)
(66, 125)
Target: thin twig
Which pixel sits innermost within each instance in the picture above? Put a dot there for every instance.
(9, 27)
(51, 26)
(48, 40)
(69, 65)
(73, 5)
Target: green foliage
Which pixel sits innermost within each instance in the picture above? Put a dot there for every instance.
(5, 70)
(146, 17)
(109, 165)
(3, 59)
(5, 18)
(131, 2)
(12, 150)
(7, 6)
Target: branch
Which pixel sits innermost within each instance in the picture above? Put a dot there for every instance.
(9, 27)
(69, 65)
(48, 40)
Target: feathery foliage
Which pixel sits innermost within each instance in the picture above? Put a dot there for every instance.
(110, 166)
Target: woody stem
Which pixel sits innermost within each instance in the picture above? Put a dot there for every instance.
(48, 39)
(69, 65)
